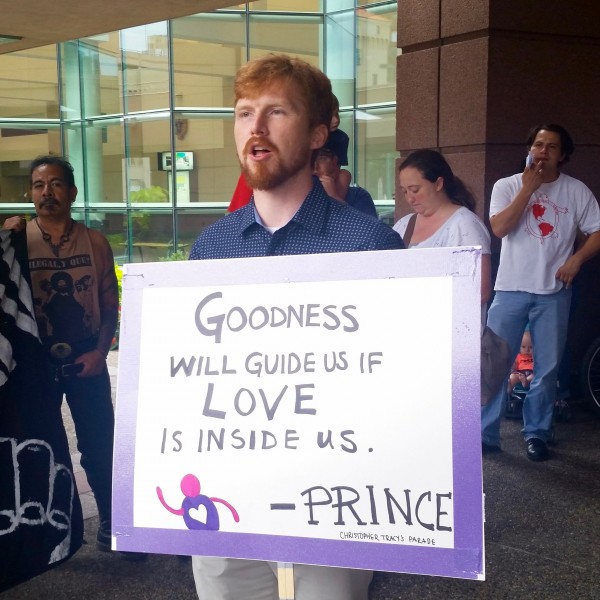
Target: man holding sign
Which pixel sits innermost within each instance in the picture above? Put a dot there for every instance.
(283, 109)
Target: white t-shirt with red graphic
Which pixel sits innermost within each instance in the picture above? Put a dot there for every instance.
(543, 239)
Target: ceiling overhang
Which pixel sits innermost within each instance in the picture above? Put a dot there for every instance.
(28, 26)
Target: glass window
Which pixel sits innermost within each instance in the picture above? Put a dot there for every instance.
(151, 235)
(208, 49)
(104, 154)
(286, 5)
(146, 68)
(334, 5)
(376, 143)
(14, 181)
(91, 77)
(376, 54)
(114, 227)
(20, 143)
(119, 132)
(340, 45)
(70, 96)
(102, 74)
(215, 168)
(146, 136)
(298, 36)
(347, 126)
(76, 156)
(29, 84)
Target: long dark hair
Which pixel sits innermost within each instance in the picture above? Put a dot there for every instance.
(432, 165)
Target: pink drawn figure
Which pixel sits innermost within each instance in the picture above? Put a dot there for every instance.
(190, 486)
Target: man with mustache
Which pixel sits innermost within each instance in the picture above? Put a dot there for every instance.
(537, 214)
(76, 325)
(283, 110)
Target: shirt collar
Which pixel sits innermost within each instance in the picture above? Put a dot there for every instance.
(311, 214)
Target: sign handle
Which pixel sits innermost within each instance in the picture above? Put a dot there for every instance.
(285, 577)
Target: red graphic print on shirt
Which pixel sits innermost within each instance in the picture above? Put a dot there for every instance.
(542, 219)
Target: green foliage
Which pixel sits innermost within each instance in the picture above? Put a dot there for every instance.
(115, 239)
(141, 222)
(175, 255)
(119, 273)
(154, 193)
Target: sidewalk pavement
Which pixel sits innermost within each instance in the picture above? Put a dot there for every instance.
(542, 534)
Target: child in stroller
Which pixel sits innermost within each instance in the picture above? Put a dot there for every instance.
(520, 379)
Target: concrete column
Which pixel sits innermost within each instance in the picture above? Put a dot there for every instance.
(475, 75)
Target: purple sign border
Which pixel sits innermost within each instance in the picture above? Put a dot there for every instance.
(466, 559)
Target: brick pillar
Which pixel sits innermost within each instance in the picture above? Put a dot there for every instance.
(473, 76)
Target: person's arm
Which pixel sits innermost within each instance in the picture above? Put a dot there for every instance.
(330, 186)
(335, 187)
(108, 299)
(335, 181)
(343, 182)
(589, 249)
(505, 220)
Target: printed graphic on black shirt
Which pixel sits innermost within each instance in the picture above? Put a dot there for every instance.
(64, 298)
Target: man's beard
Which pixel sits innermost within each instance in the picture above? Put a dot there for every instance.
(261, 177)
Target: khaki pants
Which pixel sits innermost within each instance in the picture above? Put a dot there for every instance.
(239, 579)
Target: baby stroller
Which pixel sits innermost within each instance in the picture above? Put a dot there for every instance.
(515, 399)
(514, 402)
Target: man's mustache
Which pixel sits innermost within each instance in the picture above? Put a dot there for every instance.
(47, 201)
(259, 141)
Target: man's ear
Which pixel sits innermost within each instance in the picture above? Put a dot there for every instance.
(319, 136)
(73, 194)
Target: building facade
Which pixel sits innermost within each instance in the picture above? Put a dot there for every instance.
(468, 77)
(475, 75)
(121, 105)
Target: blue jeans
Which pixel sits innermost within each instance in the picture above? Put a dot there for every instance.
(548, 317)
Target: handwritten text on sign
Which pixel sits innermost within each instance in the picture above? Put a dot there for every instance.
(330, 418)
(309, 382)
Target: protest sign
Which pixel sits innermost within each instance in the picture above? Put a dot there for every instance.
(309, 409)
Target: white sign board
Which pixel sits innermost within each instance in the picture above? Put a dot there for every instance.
(315, 409)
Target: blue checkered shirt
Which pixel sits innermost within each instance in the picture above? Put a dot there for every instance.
(321, 225)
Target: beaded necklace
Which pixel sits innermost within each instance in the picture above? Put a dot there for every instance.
(64, 238)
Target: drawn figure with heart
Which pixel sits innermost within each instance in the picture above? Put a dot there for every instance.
(193, 501)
